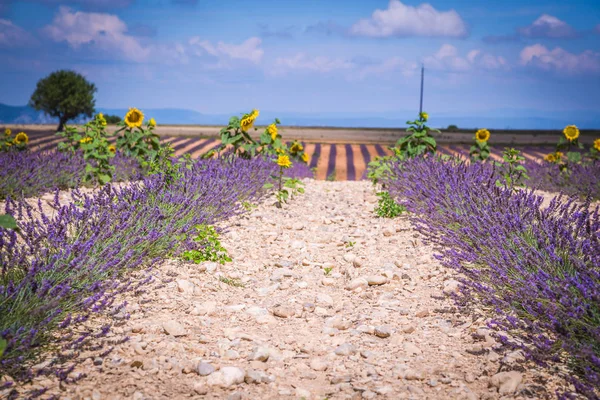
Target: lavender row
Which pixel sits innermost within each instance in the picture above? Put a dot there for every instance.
(62, 269)
(580, 180)
(537, 268)
(29, 174)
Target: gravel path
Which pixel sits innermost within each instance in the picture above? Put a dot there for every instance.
(274, 324)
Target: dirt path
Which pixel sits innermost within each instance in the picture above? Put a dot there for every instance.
(274, 324)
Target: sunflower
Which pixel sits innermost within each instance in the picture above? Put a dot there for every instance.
(21, 138)
(272, 130)
(112, 148)
(279, 151)
(152, 123)
(550, 158)
(571, 132)
(101, 119)
(482, 135)
(424, 116)
(305, 157)
(597, 144)
(284, 161)
(558, 155)
(254, 113)
(85, 140)
(296, 148)
(134, 118)
(7, 132)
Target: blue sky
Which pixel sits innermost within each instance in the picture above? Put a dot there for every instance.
(309, 56)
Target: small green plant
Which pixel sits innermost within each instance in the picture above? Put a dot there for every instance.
(350, 245)
(419, 141)
(209, 247)
(380, 167)
(97, 151)
(513, 173)
(594, 153)
(249, 206)
(327, 270)
(387, 206)
(287, 186)
(232, 282)
(8, 222)
(331, 177)
(480, 151)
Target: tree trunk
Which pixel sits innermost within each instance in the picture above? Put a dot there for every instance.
(61, 124)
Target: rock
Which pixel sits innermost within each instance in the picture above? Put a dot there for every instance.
(413, 375)
(174, 328)
(357, 283)
(411, 348)
(283, 311)
(184, 286)
(349, 257)
(357, 263)
(319, 364)
(410, 328)
(383, 331)
(506, 382)
(513, 357)
(325, 300)
(376, 280)
(308, 307)
(207, 308)
(340, 378)
(327, 281)
(422, 313)
(303, 393)
(345, 349)
(260, 354)
(388, 232)
(226, 377)
(205, 369)
(451, 287)
(209, 266)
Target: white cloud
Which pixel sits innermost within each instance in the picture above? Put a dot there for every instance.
(318, 63)
(448, 58)
(558, 59)
(12, 36)
(403, 20)
(249, 50)
(547, 26)
(102, 31)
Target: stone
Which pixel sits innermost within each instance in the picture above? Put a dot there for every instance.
(349, 257)
(345, 349)
(174, 328)
(226, 377)
(319, 364)
(283, 311)
(324, 300)
(411, 348)
(205, 369)
(184, 286)
(506, 382)
(260, 354)
(451, 287)
(383, 331)
(357, 283)
(376, 280)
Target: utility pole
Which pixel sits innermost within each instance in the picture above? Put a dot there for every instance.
(422, 75)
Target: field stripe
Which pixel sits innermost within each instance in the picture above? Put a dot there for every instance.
(380, 150)
(314, 160)
(331, 161)
(358, 163)
(350, 163)
(200, 148)
(323, 161)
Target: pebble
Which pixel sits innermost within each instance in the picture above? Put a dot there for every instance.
(205, 369)
(345, 349)
(174, 328)
(226, 377)
(283, 311)
(382, 331)
(319, 364)
(506, 382)
(376, 280)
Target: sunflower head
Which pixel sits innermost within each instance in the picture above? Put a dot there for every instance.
(284, 161)
(305, 157)
(558, 155)
(100, 118)
(597, 144)
(550, 158)
(247, 122)
(134, 118)
(424, 116)
(21, 138)
(279, 151)
(7, 132)
(482, 135)
(152, 123)
(272, 130)
(112, 148)
(296, 148)
(571, 132)
(254, 113)
(85, 140)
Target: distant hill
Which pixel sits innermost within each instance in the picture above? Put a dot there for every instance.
(493, 119)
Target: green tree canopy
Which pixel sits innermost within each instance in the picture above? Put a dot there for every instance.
(65, 95)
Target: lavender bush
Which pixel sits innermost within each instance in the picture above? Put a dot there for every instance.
(28, 174)
(579, 180)
(59, 270)
(537, 268)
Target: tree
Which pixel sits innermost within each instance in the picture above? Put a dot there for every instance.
(112, 119)
(65, 95)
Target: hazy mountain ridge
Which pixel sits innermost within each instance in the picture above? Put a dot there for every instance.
(494, 119)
